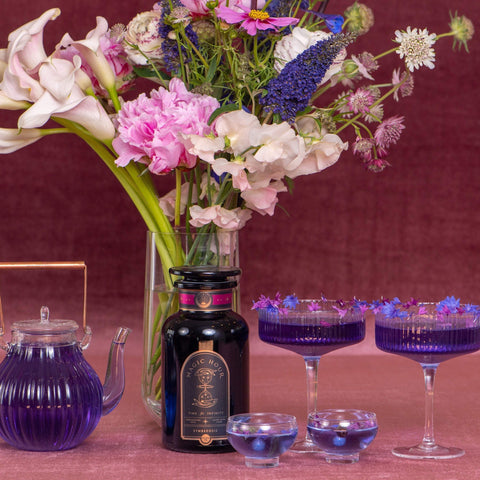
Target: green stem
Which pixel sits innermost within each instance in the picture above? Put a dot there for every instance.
(178, 196)
(140, 195)
(377, 102)
(112, 92)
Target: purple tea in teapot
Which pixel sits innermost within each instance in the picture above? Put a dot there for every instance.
(50, 397)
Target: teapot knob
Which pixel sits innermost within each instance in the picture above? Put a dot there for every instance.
(44, 314)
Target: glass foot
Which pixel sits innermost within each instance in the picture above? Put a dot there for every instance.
(337, 459)
(254, 462)
(305, 446)
(421, 452)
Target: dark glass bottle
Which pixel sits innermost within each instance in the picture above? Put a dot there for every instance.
(204, 361)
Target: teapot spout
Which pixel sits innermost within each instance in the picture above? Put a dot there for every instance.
(115, 377)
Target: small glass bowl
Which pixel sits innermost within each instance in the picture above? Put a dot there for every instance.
(342, 434)
(261, 437)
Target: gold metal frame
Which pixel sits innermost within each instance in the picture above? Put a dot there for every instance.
(43, 266)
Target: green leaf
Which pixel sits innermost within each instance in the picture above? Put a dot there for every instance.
(212, 69)
(147, 72)
(229, 107)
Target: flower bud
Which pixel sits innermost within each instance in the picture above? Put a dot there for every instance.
(462, 29)
(358, 18)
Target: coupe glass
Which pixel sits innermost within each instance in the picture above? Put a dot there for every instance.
(312, 329)
(429, 334)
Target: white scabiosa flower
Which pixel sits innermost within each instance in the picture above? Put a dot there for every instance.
(416, 47)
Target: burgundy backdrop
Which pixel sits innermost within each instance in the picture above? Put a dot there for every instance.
(409, 231)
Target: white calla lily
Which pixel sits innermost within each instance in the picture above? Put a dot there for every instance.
(91, 52)
(7, 103)
(24, 54)
(12, 139)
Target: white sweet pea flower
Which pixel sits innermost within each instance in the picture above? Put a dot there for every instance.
(263, 199)
(236, 169)
(280, 151)
(322, 150)
(203, 147)
(292, 45)
(237, 126)
(12, 139)
(320, 155)
(167, 202)
(229, 220)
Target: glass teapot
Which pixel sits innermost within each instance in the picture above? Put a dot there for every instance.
(50, 397)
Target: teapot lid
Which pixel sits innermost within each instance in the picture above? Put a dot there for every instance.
(45, 326)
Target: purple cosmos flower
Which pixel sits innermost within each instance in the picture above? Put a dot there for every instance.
(253, 20)
(341, 311)
(313, 307)
(361, 305)
(267, 302)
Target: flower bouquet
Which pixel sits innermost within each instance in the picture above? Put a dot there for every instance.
(246, 96)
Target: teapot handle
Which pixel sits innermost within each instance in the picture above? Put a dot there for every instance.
(46, 265)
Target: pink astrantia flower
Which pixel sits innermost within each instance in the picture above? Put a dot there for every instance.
(253, 20)
(361, 100)
(405, 80)
(389, 131)
(149, 127)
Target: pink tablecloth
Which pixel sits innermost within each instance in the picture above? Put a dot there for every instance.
(127, 443)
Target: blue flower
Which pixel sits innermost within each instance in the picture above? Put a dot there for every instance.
(291, 91)
(449, 305)
(393, 310)
(291, 301)
(333, 22)
(472, 309)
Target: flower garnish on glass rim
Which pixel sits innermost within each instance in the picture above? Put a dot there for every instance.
(291, 302)
(395, 309)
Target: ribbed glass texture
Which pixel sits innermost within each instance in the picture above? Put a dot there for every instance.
(311, 333)
(428, 339)
(50, 397)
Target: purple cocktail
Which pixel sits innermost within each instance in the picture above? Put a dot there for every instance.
(428, 346)
(428, 334)
(310, 340)
(310, 328)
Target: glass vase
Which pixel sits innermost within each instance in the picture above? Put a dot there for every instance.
(165, 250)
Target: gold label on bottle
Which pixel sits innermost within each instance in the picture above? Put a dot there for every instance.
(204, 397)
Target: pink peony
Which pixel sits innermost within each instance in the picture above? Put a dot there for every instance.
(150, 127)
